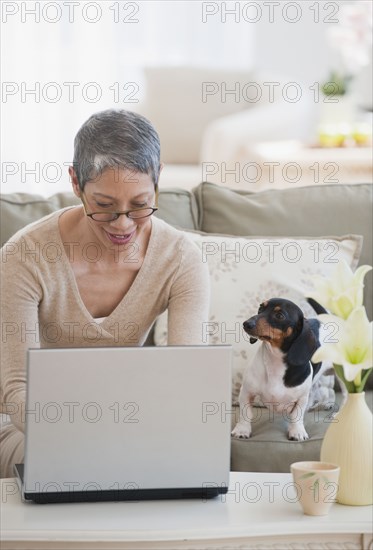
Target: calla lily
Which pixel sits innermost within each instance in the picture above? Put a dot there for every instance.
(343, 291)
(350, 345)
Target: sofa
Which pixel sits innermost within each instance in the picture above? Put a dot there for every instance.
(312, 224)
(221, 111)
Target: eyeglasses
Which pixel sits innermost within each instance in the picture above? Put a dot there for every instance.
(136, 214)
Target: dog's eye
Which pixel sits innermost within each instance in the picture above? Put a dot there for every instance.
(280, 316)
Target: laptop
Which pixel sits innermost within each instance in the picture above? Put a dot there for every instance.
(126, 423)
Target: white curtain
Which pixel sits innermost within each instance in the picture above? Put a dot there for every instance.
(82, 58)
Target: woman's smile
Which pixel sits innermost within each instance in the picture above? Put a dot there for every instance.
(118, 238)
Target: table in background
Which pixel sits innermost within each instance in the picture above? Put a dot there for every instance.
(260, 511)
(284, 164)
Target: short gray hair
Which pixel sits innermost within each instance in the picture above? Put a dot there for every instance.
(116, 138)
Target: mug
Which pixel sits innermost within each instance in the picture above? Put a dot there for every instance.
(316, 485)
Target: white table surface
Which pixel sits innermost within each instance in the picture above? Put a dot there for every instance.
(257, 505)
(290, 163)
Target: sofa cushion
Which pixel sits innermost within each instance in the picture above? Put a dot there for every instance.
(312, 211)
(19, 209)
(247, 271)
(268, 449)
(176, 206)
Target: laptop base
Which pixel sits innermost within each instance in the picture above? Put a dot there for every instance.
(202, 493)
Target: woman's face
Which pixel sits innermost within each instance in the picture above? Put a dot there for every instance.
(118, 190)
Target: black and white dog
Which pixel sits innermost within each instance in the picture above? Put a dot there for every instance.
(281, 373)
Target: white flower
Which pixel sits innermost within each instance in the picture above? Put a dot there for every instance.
(352, 36)
(351, 345)
(343, 291)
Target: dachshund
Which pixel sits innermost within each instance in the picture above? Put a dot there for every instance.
(281, 373)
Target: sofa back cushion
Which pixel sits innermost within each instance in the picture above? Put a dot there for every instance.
(19, 209)
(176, 206)
(322, 210)
(175, 104)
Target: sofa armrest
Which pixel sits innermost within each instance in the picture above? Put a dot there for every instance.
(226, 138)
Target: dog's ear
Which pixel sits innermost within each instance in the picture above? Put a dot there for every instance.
(305, 345)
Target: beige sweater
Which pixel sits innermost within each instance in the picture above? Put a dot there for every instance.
(41, 305)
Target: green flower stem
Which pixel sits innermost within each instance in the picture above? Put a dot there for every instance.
(364, 378)
(357, 380)
(350, 386)
(357, 386)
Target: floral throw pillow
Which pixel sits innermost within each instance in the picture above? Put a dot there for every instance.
(245, 271)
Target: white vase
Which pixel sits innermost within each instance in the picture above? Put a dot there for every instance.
(348, 442)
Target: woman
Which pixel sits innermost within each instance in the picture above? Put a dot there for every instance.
(97, 274)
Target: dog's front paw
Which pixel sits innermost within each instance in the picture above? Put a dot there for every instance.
(297, 433)
(242, 430)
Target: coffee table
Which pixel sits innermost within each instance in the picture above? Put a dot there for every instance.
(259, 511)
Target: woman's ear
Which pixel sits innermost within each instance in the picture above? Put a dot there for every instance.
(74, 181)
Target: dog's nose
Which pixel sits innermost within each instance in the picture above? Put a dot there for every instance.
(249, 324)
